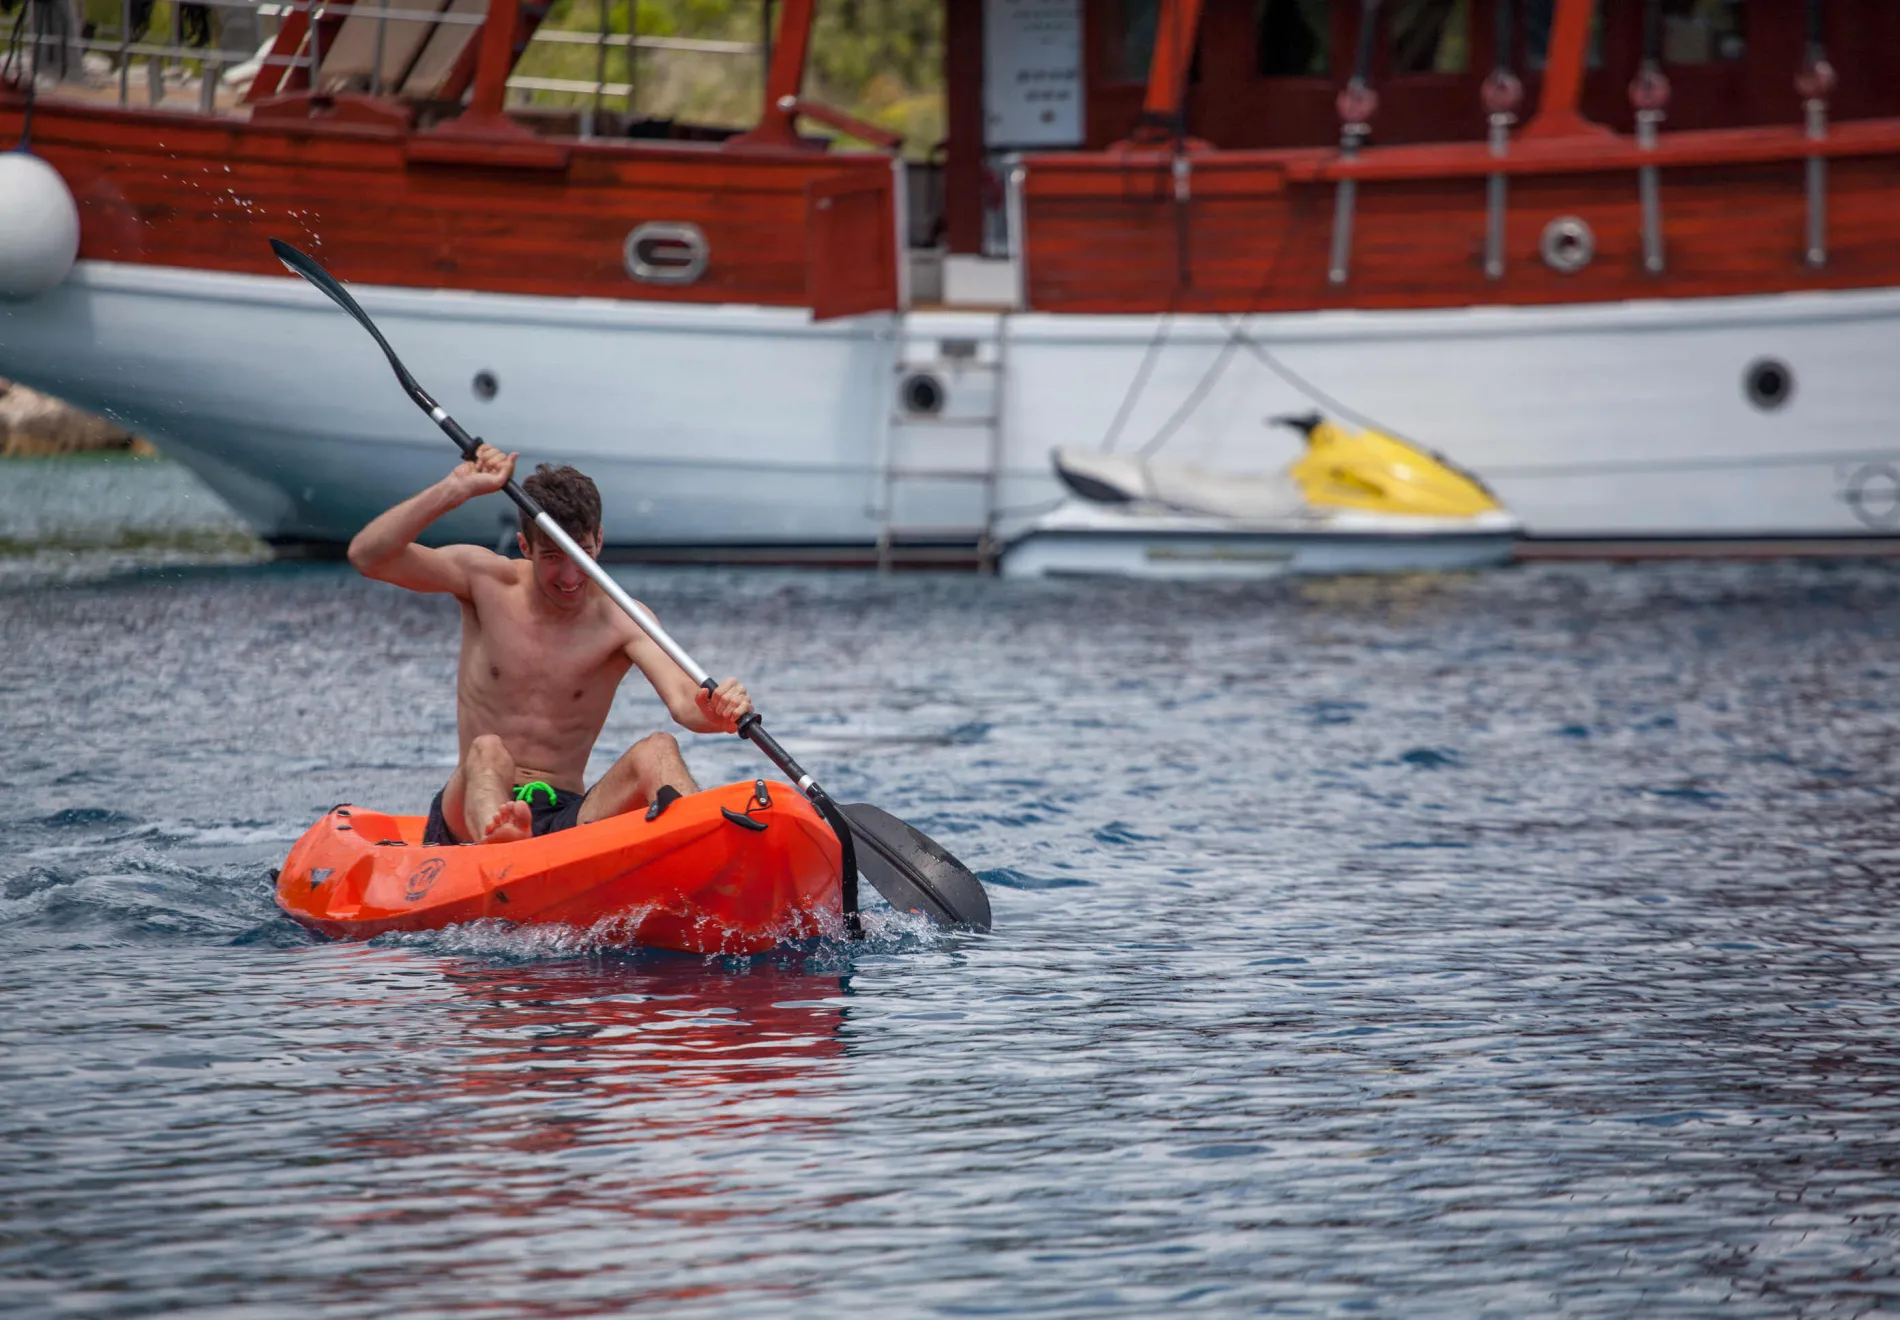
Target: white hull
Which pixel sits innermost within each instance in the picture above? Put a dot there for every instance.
(744, 427)
(1086, 540)
(730, 424)
(1620, 421)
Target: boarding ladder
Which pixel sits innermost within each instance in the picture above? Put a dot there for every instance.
(943, 445)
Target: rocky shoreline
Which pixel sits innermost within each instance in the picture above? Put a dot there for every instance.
(35, 425)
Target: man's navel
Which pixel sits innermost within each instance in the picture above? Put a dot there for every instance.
(577, 694)
(494, 671)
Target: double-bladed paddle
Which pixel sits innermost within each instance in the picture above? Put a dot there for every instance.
(913, 872)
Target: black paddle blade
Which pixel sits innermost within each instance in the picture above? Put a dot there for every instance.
(914, 872)
(302, 263)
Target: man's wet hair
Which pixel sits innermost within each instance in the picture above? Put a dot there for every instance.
(570, 497)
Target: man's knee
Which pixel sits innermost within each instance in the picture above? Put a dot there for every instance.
(487, 749)
(656, 745)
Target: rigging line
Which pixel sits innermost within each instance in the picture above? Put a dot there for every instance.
(1183, 272)
(37, 33)
(43, 26)
(1313, 392)
(1139, 383)
(1198, 394)
(1195, 397)
(1237, 336)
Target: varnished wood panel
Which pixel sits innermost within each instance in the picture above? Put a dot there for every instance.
(1108, 236)
(851, 240)
(176, 190)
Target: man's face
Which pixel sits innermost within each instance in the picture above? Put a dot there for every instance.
(556, 576)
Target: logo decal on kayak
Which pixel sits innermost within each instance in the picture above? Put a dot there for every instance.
(422, 879)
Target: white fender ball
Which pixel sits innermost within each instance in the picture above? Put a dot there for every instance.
(39, 226)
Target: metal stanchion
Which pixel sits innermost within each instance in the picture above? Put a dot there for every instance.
(1814, 83)
(591, 121)
(382, 31)
(316, 47)
(125, 52)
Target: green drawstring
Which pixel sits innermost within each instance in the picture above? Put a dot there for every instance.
(526, 792)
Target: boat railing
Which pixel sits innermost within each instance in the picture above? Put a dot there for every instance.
(175, 55)
(599, 89)
(181, 61)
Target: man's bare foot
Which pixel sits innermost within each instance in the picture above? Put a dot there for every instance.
(514, 821)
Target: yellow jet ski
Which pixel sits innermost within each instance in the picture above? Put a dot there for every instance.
(1353, 502)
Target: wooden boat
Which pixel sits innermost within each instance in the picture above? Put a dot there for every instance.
(735, 869)
(1629, 261)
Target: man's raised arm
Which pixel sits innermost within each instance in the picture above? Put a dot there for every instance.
(387, 549)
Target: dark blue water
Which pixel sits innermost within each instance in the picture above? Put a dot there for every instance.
(1510, 944)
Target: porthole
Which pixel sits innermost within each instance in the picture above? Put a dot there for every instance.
(1768, 383)
(485, 385)
(1568, 244)
(923, 394)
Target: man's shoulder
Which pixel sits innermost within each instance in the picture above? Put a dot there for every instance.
(489, 574)
(618, 622)
(480, 560)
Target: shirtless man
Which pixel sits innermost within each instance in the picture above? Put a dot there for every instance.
(543, 651)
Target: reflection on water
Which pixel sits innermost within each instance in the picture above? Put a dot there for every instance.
(569, 1091)
(636, 1053)
(1508, 944)
(416, 1125)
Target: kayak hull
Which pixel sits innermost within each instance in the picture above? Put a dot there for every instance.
(718, 872)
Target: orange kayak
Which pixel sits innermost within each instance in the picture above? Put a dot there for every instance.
(718, 872)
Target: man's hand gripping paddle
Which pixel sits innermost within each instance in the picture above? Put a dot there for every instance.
(912, 871)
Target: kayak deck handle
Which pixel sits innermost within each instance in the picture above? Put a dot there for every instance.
(741, 819)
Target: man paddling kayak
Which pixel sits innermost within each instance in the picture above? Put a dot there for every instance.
(543, 652)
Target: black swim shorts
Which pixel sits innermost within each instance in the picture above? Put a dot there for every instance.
(561, 814)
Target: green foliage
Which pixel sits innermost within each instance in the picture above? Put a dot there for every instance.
(881, 60)
(855, 42)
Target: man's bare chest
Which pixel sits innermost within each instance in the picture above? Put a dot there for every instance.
(510, 651)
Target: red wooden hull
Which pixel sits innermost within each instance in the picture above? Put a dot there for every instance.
(1259, 225)
(380, 203)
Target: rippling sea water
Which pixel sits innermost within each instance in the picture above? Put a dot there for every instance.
(1509, 944)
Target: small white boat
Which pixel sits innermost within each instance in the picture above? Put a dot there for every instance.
(1355, 502)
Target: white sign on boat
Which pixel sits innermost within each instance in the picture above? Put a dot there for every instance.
(1032, 73)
